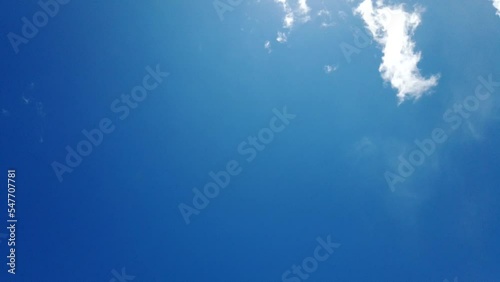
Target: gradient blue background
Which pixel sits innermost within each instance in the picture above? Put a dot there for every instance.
(119, 207)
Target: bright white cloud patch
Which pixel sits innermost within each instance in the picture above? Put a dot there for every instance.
(496, 4)
(392, 27)
(298, 11)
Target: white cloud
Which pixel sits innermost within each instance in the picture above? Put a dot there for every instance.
(324, 12)
(496, 4)
(326, 18)
(392, 27)
(303, 7)
(299, 12)
(329, 69)
(267, 46)
(296, 11)
(282, 38)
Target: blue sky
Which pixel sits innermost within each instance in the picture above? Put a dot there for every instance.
(348, 140)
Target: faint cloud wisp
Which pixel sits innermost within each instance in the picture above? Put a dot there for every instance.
(329, 69)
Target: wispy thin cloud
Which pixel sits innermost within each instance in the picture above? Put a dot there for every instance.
(296, 11)
(326, 18)
(329, 68)
(393, 27)
(267, 46)
(281, 37)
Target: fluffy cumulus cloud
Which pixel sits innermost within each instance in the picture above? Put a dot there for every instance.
(295, 11)
(496, 4)
(393, 27)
